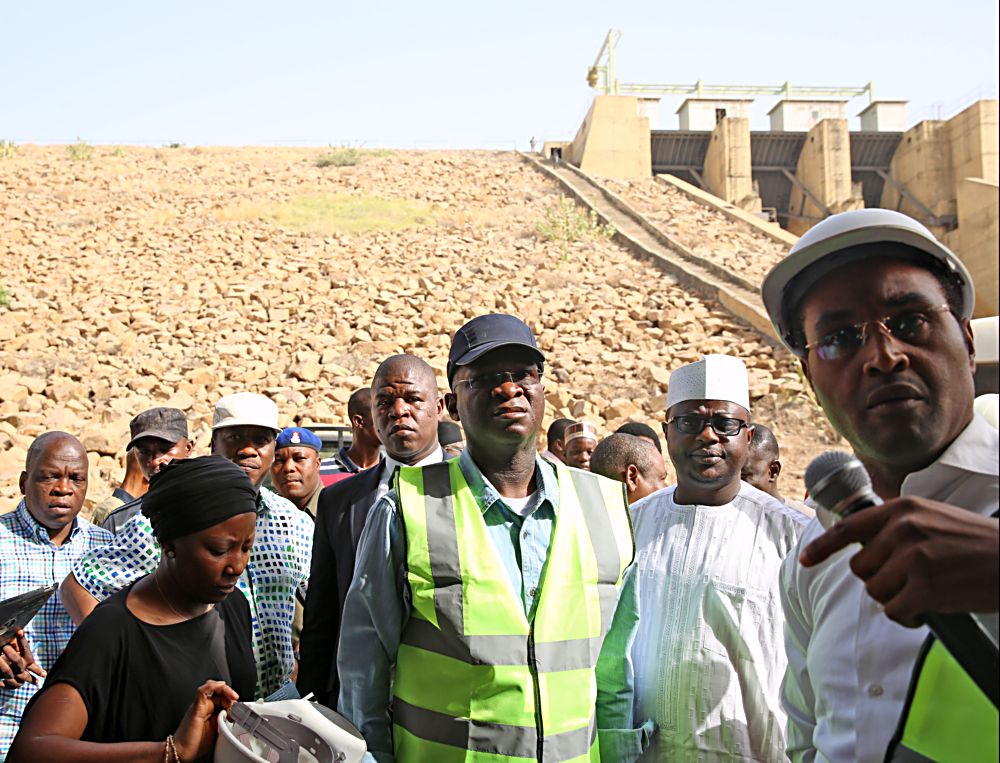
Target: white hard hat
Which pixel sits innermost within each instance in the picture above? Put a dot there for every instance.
(815, 251)
(986, 338)
(289, 731)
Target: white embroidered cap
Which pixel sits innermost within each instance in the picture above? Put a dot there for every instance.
(714, 377)
(580, 429)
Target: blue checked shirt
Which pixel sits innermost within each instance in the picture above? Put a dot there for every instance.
(378, 605)
(29, 560)
(279, 566)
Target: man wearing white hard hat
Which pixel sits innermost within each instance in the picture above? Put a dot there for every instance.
(708, 655)
(244, 427)
(877, 310)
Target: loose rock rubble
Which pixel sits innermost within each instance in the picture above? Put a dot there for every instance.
(734, 246)
(133, 283)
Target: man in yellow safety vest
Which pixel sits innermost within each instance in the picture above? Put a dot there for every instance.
(493, 605)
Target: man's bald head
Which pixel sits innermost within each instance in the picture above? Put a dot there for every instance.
(615, 452)
(406, 406)
(764, 442)
(417, 369)
(632, 460)
(54, 482)
(639, 429)
(47, 440)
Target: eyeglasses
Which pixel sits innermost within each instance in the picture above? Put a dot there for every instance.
(695, 424)
(912, 326)
(524, 378)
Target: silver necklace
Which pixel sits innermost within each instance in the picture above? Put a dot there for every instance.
(156, 579)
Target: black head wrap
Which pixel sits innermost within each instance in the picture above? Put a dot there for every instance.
(190, 494)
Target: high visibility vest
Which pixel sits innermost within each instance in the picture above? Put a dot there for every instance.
(946, 717)
(476, 681)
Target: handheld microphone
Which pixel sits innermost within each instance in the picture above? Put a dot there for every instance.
(838, 483)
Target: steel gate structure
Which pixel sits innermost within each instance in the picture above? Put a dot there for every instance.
(774, 158)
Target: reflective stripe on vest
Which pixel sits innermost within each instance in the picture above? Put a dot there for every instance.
(946, 717)
(475, 680)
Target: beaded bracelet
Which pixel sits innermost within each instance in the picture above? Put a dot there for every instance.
(169, 751)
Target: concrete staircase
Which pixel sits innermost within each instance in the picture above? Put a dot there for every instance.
(737, 295)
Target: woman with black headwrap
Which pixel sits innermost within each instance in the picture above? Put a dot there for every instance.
(123, 689)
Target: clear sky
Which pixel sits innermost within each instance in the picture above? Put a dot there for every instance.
(442, 74)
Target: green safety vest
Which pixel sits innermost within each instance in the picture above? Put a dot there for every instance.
(946, 717)
(476, 681)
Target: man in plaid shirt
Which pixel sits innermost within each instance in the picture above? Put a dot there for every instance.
(40, 542)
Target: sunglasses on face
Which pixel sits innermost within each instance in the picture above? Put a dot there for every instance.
(692, 423)
(914, 327)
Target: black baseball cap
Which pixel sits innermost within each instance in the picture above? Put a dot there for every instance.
(488, 332)
(168, 424)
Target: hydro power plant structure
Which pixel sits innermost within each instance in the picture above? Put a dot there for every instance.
(809, 164)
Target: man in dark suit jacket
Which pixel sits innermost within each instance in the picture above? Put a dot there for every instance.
(406, 406)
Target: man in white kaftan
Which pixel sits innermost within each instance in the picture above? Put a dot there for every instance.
(708, 655)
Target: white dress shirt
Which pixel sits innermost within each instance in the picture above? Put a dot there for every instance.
(708, 654)
(389, 468)
(849, 665)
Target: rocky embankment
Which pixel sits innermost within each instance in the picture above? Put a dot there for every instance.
(141, 277)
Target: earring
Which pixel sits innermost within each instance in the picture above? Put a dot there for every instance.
(171, 554)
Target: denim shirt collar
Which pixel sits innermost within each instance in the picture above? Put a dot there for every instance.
(37, 531)
(486, 495)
